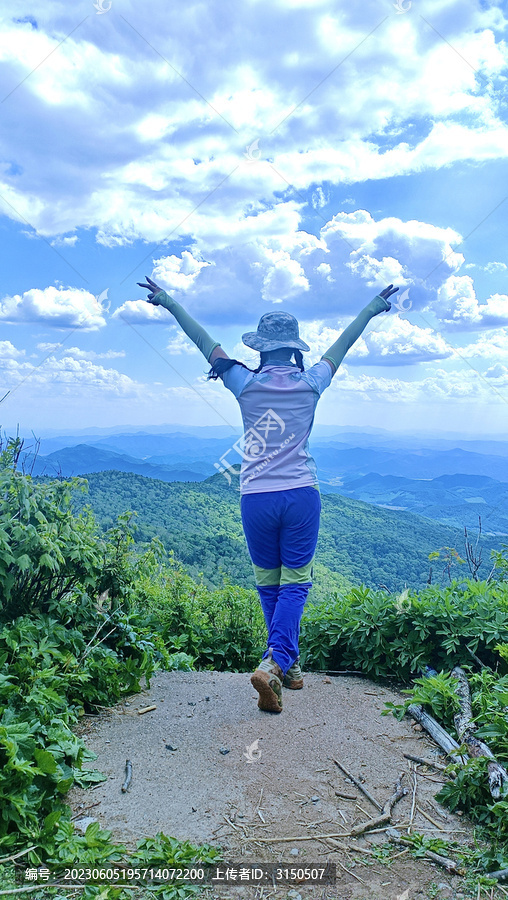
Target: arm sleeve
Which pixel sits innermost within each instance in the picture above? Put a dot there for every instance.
(338, 350)
(192, 329)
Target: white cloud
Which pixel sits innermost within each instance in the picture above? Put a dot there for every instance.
(61, 308)
(175, 273)
(490, 345)
(77, 353)
(141, 312)
(182, 157)
(490, 267)
(71, 377)
(65, 241)
(458, 307)
(284, 277)
(9, 351)
(499, 374)
(394, 342)
(460, 386)
(179, 343)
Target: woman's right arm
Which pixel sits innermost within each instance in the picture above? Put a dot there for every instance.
(210, 349)
(336, 353)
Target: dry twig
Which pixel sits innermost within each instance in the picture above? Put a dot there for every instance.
(359, 785)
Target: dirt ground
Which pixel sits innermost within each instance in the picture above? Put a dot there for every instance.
(209, 767)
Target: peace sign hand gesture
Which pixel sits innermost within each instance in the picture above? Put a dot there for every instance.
(153, 289)
(387, 292)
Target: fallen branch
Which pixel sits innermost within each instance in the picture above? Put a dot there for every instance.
(6, 859)
(499, 875)
(128, 776)
(498, 776)
(301, 837)
(146, 709)
(424, 762)
(449, 864)
(359, 785)
(386, 812)
(413, 799)
(437, 733)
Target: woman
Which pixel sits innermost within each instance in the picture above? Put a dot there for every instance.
(280, 500)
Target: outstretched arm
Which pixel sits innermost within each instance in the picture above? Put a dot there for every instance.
(338, 350)
(210, 349)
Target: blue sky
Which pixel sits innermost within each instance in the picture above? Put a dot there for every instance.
(293, 154)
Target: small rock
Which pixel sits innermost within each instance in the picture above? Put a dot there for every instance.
(170, 747)
(417, 727)
(83, 823)
(207, 698)
(224, 751)
(294, 851)
(190, 703)
(327, 680)
(315, 798)
(445, 889)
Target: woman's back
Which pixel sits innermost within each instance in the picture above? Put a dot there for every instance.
(277, 405)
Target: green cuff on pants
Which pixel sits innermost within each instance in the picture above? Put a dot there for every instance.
(302, 575)
(265, 577)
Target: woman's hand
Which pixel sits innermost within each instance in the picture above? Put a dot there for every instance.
(387, 292)
(153, 288)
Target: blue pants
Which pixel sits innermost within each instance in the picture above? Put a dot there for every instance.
(281, 529)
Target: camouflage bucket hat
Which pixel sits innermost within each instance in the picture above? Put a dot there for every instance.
(275, 330)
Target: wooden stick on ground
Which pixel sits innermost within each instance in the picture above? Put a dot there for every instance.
(413, 800)
(359, 785)
(437, 733)
(386, 812)
(499, 875)
(425, 762)
(449, 864)
(498, 776)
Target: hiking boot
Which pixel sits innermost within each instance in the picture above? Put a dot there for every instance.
(293, 678)
(267, 679)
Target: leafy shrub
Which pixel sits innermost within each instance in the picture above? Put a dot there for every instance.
(222, 629)
(469, 790)
(385, 635)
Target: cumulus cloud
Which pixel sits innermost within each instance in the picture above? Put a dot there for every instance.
(394, 342)
(443, 386)
(179, 343)
(498, 374)
(76, 352)
(458, 307)
(139, 312)
(9, 351)
(175, 273)
(58, 307)
(341, 268)
(490, 345)
(71, 375)
(180, 139)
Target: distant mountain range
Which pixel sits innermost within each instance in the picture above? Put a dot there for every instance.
(449, 484)
(201, 524)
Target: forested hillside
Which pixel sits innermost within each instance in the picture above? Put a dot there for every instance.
(201, 523)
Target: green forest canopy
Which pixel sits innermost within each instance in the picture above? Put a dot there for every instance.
(201, 523)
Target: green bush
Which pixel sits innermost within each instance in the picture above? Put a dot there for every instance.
(221, 629)
(384, 635)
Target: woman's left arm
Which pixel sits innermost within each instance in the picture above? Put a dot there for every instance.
(336, 353)
(210, 349)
